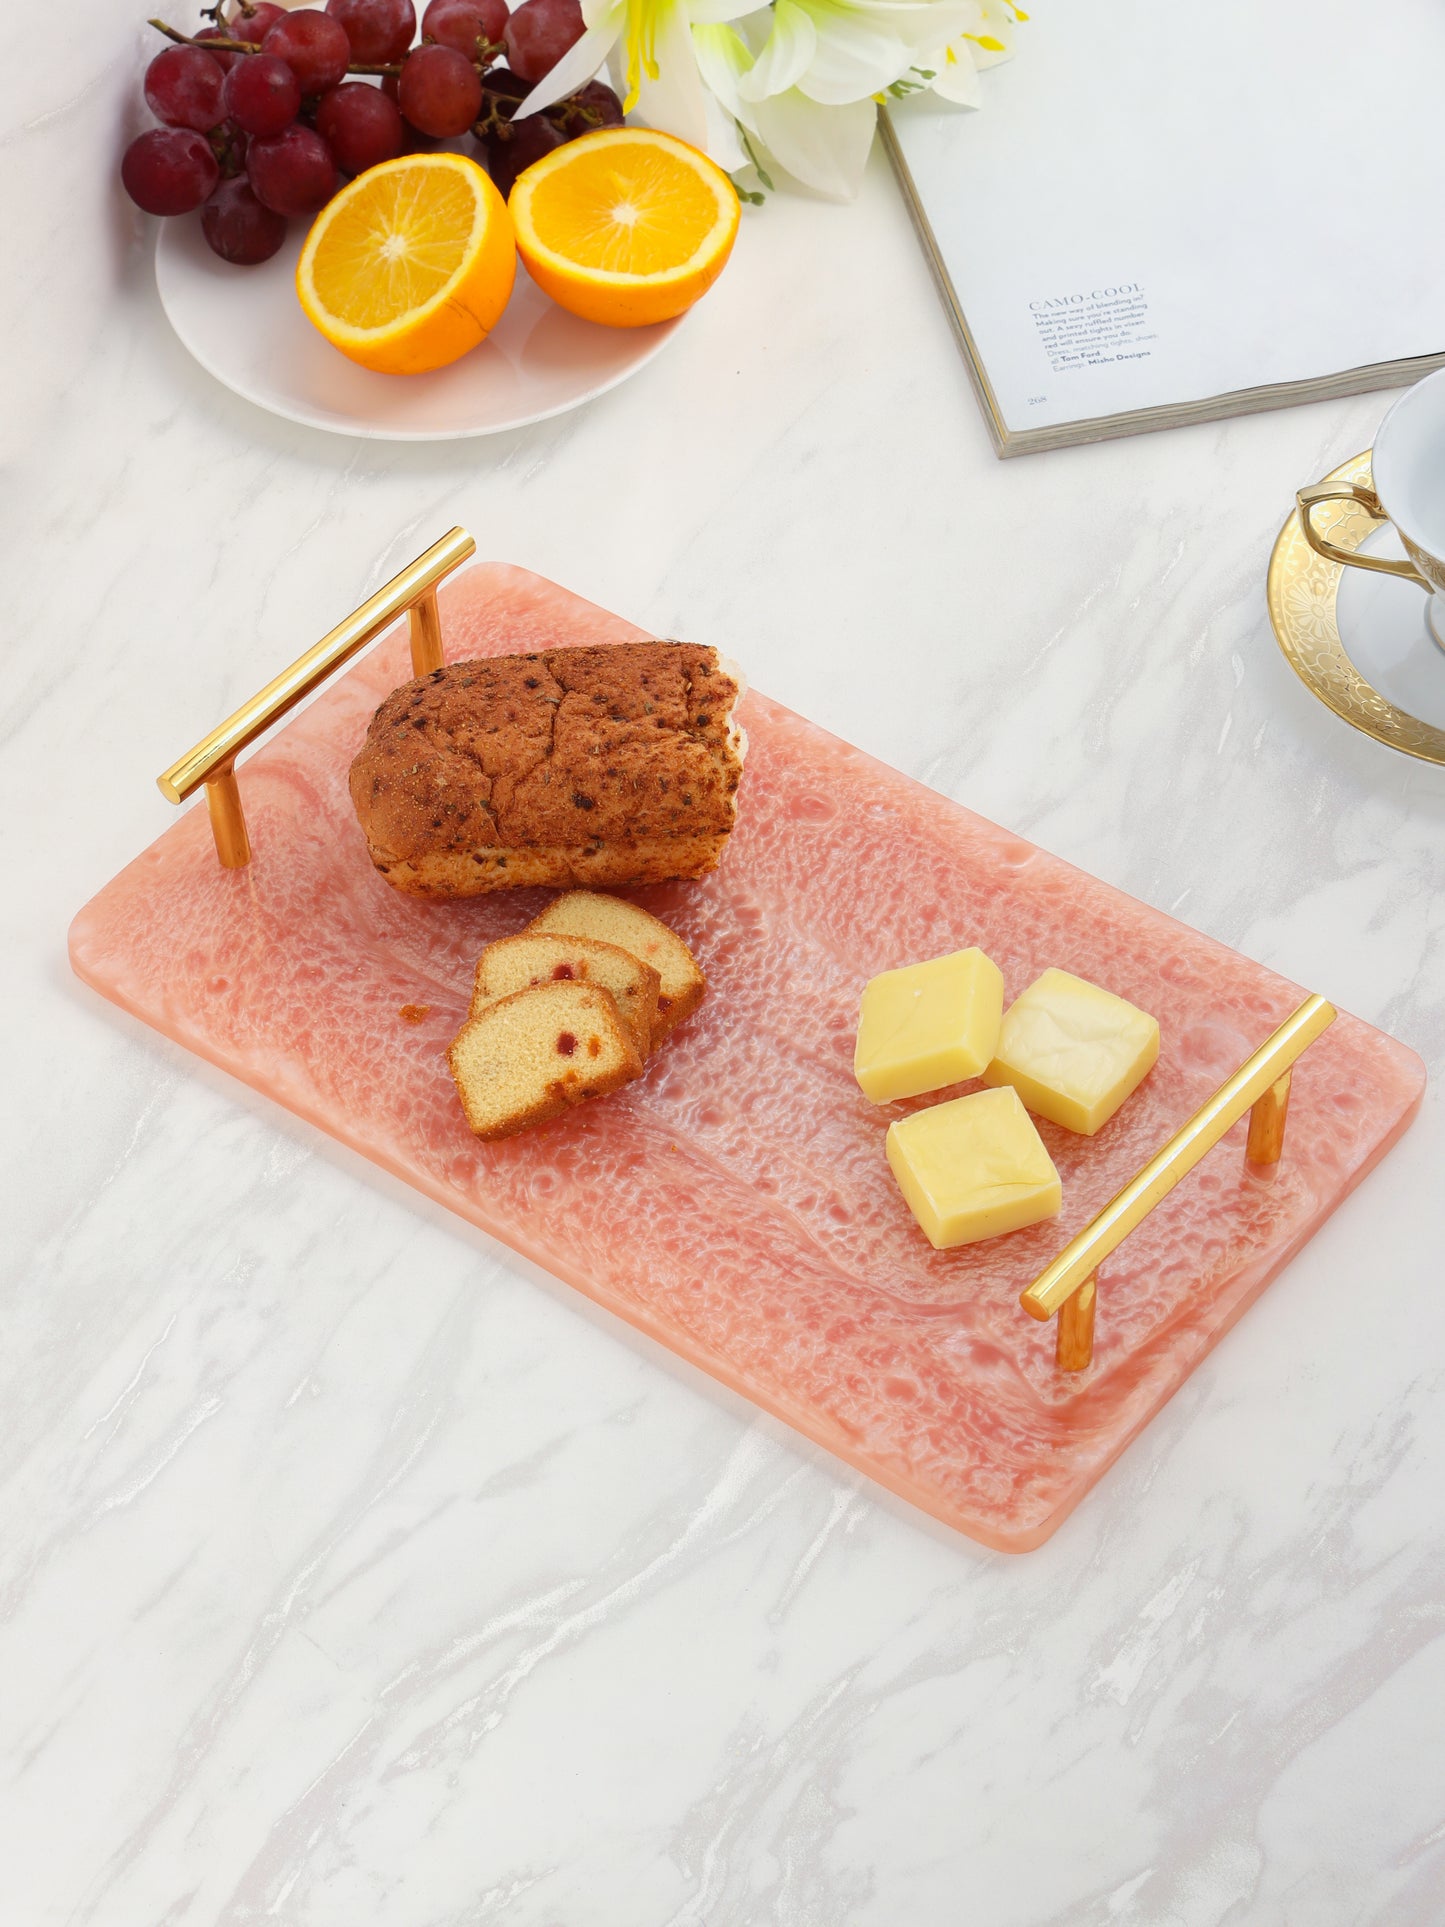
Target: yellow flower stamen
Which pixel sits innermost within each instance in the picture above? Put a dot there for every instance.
(641, 42)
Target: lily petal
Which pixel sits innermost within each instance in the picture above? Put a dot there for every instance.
(784, 59)
(723, 56)
(826, 148)
(672, 97)
(994, 36)
(922, 23)
(955, 77)
(856, 57)
(706, 13)
(576, 67)
(723, 142)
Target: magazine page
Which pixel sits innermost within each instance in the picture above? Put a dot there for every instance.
(1158, 203)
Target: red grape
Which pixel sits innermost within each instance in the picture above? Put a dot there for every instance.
(170, 170)
(517, 146)
(591, 107)
(462, 23)
(379, 30)
(415, 143)
(238, 227)
(223, 60)
(412, 142)
(440, 93)
(262, 94)
(539, 33)
(360, 125)
(255, 25)
(502, 84)
(314, 47)
(183, 88)
(292, 173)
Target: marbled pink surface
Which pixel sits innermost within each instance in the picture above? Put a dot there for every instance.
(735, 1202)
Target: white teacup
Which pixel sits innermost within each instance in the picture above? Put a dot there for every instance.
(1407, 466)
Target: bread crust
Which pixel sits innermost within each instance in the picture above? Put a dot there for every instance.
(586, 767)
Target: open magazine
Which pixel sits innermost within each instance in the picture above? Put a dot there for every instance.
(1166, 214)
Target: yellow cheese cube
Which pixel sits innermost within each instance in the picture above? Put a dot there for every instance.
(1073, 1052)
(928, 1025)
(973, 1167)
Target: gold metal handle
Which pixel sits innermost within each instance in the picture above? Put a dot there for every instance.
(1261, 1086)
(212, 761)
(1350, 558)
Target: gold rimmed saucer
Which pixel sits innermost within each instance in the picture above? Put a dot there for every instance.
(1302, 593)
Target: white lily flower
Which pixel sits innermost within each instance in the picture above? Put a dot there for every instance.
(823, 147)
(809, 93)
(955, 64)
(801, 77)
(837, 52)
(649, 45)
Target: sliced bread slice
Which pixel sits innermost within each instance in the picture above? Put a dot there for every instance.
(535, 1054)
(543, 956)
(587, 913)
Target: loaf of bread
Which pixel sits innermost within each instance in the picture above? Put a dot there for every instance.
(598, 765)
(612, 920)
(535, 1054)
(538, 957)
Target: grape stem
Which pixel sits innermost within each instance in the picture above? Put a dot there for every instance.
(493, 122)
(249, 47)
(491, 50)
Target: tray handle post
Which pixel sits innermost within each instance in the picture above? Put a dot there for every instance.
(1067, 1288)
(424, 622)
(228, 819)
(1074, 1329)
(1266, 1123)
(212, 761)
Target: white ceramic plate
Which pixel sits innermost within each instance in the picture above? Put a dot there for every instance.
(245, 326)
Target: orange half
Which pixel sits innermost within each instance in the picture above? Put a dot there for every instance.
(411, 265)
(625, 226)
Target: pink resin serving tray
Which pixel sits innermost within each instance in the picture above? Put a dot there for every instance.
(735, 1202)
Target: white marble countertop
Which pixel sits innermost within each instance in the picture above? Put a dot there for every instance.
(351, 1572)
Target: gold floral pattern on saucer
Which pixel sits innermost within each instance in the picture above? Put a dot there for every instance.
(1302, 588)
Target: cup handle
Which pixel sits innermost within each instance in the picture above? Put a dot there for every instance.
(1351, 559)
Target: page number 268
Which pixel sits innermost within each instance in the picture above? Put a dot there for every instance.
(1034, 400)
